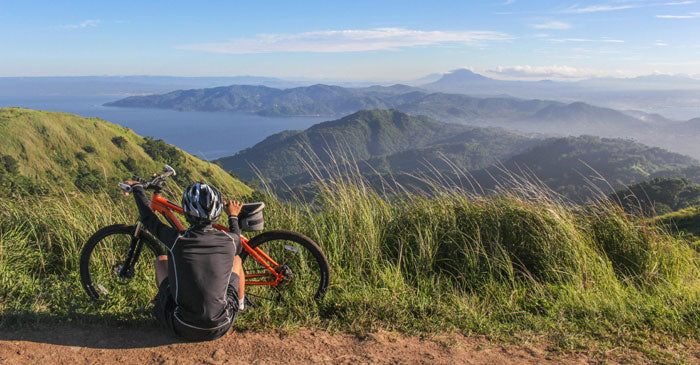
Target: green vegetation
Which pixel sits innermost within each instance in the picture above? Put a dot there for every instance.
(658, 196)
(507, 266)
(328, 100)
(393, 146)
(685, 221)
(48, 152)
(518, 264)
(311, 100)
(587, 167)
(383, 141)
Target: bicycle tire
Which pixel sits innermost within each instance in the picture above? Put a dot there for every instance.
(294, 250)
(97, 268)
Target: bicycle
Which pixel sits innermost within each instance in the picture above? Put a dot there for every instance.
(278, 264)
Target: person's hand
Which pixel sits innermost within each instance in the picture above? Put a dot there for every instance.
(233, 207)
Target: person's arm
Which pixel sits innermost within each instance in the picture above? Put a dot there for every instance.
(233, 208)
(163, 232)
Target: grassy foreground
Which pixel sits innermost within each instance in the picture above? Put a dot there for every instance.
(508, 266)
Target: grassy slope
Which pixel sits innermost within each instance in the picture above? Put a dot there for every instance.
(685, 221)
(505, 266)
(50, 148)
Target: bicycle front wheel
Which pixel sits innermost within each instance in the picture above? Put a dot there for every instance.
(299, 259)
(117, 265)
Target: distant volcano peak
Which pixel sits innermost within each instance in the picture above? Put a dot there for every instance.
(464, 74)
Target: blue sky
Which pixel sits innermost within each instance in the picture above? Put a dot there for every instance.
(354, 40)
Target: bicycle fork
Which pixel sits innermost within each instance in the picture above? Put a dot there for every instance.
(126, 270)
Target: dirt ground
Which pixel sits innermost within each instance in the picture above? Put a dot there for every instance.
(108, 345)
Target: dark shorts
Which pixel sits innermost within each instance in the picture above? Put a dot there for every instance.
(164, 311)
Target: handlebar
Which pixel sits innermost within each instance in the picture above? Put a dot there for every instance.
(154, 184)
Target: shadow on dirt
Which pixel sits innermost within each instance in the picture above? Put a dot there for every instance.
(100, 332)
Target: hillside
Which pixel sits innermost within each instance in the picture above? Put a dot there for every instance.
(390, 145)
(530, 115)
(326, 100)
(587, 166)
(473, 149)
(658, 196)
(686, 221)
(262, 100)
(391, 140)
(48, 151)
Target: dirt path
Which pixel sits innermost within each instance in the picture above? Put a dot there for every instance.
(108, 345)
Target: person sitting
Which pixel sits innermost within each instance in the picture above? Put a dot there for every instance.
(201, 280)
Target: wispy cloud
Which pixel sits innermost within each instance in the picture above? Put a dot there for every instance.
(332, 41)
(686, 16)
(597, 8)
(552, 25)
(85, 24)
(576, 9)
(660, 44)
(680, 3)
(586, 40)
(542, 72)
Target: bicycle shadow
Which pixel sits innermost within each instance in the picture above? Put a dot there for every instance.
(98, 332)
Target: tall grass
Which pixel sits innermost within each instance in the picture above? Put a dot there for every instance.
(519, 262)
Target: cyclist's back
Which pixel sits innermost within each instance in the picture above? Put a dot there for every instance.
(202, 258)
(198, 300)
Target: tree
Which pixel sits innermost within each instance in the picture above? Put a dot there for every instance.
(119, 141)
(9, 164)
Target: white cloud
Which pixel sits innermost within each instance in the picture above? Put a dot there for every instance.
(680, 3)
(586, 40)
(597, 8)
(660, 43)
(552, 25)
(542, 72)
(555, 72)
(85, 24)
(576, 9)
(688, 16)
(332, 41)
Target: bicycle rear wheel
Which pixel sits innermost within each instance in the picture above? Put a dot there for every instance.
(117, 266)
(301, 260)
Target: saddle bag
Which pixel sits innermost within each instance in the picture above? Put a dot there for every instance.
(251, 217)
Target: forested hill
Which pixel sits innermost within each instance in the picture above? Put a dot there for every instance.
(394, 145)
(310, 100)
(326, 100)
(549, 117)
(658, 196)
(586, 166)
(388, 140)
(49, 152)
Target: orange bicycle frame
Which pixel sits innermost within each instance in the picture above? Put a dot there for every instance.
(166, 208)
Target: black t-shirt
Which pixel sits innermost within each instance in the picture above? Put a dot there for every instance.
(199, 269)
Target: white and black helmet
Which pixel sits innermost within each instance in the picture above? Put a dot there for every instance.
(202, 204)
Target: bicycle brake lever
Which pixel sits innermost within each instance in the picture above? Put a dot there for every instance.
(126, 188)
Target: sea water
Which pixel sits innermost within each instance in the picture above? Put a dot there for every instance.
(209, 135)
